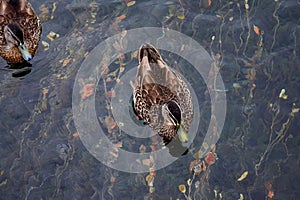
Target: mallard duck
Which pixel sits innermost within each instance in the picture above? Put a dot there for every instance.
(20, 31)
(161, 98)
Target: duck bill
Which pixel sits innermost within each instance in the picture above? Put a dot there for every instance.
(25, 53)
(182, 135)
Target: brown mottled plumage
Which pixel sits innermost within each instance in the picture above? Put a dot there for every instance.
(20, 31)
(161, 98)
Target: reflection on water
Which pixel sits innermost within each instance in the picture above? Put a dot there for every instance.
(256, 45)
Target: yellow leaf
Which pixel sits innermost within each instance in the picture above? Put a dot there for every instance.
(282, 94)
(66, 62)
(45, 44)
(150, 180)
(247, 6)
(295, 110)
(122, 69)
(243, 176)
(182, 188)
(180, 15)
(148, 177)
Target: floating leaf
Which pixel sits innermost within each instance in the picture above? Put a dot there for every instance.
(256, 30)
(66, 62)
(119, 144)
(247, 6)
(152, 171)
(131, 3)
(148, 177)
(3, 183)
(52, 35)
(150, 180)
(112, 180)
(216, 193)
(241, 196)
(182, 188)
(282, 94)
(151, 189)
(189, 182)
(220, 196)
(180, 15)
(208, 2)
(210, 158)
(295, 110)
(45, 44)
(76, 135)
(54, 6)
(243, 176)
(122, 69)
(121, 17)
(270, 194)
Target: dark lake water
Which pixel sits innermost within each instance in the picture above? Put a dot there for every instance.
(255, 45)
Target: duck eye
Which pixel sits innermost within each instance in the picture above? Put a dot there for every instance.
(175, 112)
(22, 46)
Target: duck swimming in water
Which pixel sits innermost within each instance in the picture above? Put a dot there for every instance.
(161, 97)
(20, 31)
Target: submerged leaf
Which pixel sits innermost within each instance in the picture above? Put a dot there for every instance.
(87, 91)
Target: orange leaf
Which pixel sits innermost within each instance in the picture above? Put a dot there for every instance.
(152, 171)
(119, 144)
(208, 3)
(210, 158)
(256, 30)
(87, 91)
(75, 135)
(270, 194)
(121, 17)
(112, 180)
